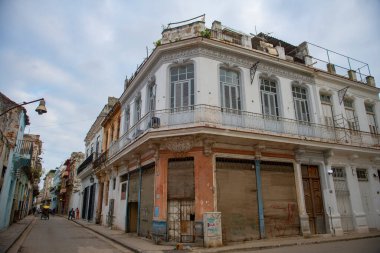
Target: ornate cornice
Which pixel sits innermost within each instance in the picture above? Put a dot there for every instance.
(233, 59)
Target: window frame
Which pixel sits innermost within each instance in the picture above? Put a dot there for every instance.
(182, 87)
(228, 102)
(303, 100)
(270, 93)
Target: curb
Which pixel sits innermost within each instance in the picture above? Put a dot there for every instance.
(285, 244)
(110, 238)
(20, 234)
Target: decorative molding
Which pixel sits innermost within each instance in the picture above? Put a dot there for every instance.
(298, 154)
(179, 144)
(233, 59)
(207, 147)
(327, 155)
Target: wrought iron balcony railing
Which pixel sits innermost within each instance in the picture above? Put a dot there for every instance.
(85, 163)
(24, 147)
(102, 158)
(205, 115)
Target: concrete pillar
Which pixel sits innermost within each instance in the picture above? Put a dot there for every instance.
(331, 206)
(352, 75)
(331, 68)
(371, 81)
(98, 217)
(359, 216)
(304, 218)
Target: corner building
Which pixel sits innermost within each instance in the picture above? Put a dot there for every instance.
(218, 120)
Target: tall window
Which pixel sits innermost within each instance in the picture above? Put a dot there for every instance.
(371, 118)
(127, 118)
(230, 90)
(269, 103)
(300, 103)
(97, 146)
(182, 87)
(137, 108)
(327, 109)
(152, 97)
(350, 114)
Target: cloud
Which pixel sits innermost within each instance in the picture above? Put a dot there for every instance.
(76, 55)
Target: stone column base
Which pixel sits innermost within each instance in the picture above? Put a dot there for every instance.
(361, 225)
(336, 225)
(305, 226)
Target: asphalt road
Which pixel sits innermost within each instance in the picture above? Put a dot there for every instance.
(61, 235)
(370, 245)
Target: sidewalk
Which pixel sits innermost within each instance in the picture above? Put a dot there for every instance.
(9, 236)
(142, 245)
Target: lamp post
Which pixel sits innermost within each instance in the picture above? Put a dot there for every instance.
(41, 109)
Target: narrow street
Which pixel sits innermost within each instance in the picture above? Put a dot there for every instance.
(61, 235)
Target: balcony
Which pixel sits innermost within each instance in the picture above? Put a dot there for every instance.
(211, 116)
(65, 173)
(85, 163)
(24, 148)
(101, 159)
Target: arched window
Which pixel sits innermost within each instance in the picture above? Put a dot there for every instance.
(152, 97)
(268, 92)
(182, 87)
(371, 118)
(230, 90)
(137, 108)
(127, 118)
(327, 109)
(301, 106)
(351, 118)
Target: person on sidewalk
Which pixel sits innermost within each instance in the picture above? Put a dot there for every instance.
(71, 214)
(77, 213)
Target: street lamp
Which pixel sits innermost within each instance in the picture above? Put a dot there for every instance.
(41, 109)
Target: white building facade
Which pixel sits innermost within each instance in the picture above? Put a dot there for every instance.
(220, 121)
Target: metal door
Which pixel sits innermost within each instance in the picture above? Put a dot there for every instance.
(181, 196)
(237, 199)
(343, 199)
(181, 220)
(281, 216)
(313, 199)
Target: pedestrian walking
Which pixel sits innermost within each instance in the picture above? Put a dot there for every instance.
(77, 213)
(71, 214)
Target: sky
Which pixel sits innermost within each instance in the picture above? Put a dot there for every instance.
(77, 53)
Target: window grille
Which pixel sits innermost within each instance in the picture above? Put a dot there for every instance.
(362, 174)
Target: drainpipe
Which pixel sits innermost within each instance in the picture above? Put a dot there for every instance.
(260, 204)
(126, 207)
(139, 201)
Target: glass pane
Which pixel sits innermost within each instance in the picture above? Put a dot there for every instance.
(233, 98)
(178, 95)
(226, 97)
(185, 88)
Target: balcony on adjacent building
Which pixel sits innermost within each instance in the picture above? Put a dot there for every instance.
(248, 122)
(86, 163)
(102, 158)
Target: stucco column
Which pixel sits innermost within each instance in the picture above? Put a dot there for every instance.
(98, 217)
(304, 218)
(360, 218)
(331, 206)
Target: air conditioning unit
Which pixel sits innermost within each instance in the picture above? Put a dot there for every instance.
(155, 122)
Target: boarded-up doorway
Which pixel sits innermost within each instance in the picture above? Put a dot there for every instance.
(280, 199)
(147, 199)
(237, 199)
(181, 196)
(132, 211)
(133, 193)
(313, 198)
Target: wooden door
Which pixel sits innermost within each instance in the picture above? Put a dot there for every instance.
(313, 199)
